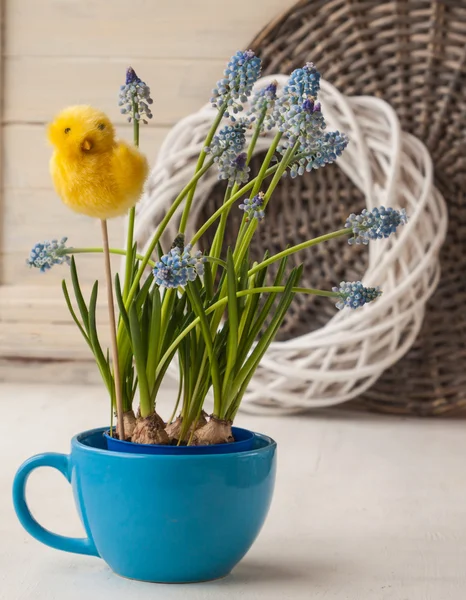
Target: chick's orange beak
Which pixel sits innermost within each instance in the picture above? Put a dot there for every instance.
(86, 145)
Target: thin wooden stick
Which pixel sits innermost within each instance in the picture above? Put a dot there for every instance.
(113, 335)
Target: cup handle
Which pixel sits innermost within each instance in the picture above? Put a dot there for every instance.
(61, 462)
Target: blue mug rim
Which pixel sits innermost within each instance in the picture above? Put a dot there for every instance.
(76, 443)
(239, 445)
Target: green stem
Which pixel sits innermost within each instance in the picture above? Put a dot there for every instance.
(200, 162)
(217, 243)
(161, 229)
(244, 239)
(170, 213)
(129, 248)
(180, 391)
(246, 232)
(135, 126)
(111, 419)
(131, 218)
(97, 250)
(265, 165)
(259, 180)
(234, 198)
(224, 301)
(298, 247)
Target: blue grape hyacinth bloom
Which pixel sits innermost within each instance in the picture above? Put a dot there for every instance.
(231, 138)
(263, 103)
(253, 207)
(354, 294)
(44, 255)
(235, 87)
(378, 223)
(177, 267)
(135, 92)
(304, 82)
(226, 149)
(234, 169)
(298, 116)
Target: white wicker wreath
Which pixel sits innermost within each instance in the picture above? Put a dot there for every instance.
(345, 357)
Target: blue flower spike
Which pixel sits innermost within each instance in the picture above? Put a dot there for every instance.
(354, 294)
(44, 255)
(177, 267)
(226, 150)
(298, 116)
(263, 103)
(234, 169)
(135, 94)
(231, 138)
(235, 87)
(378, 223)
(304, 82)
(254, 207)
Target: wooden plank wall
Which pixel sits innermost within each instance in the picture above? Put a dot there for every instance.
(61, 52)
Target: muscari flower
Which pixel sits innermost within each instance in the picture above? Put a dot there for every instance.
(298, 115)
(134, 98)
(45, 255)
(304, 82)
(226, 149)
(234, 169)
(178, 267)
(263, 102)
(253, 207)
(354, 294)
(378, 223)
(230, 138)
(235, 87)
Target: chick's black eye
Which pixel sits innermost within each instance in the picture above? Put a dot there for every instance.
(101, 126)
(67, 130)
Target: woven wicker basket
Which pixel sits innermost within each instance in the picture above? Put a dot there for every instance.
(413, 55)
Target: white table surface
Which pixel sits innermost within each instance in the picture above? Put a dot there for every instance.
(366, 508)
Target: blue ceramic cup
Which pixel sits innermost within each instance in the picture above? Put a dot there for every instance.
(161, 518)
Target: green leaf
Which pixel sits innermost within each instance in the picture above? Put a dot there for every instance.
(78, 295)
(173, 323)
(160, 251)
(250, 334)
(73, 314)
(129, 273)
(142, 294)
(154, 338)
(121, 304)
(268, 335)
(208, 281)
(94, 338)
(140, 361)
(216, 261)
(243, 280)
(193, 409)
(252, 301)
(196, 303)
(233, 322)
(145, 323)
(104, 370)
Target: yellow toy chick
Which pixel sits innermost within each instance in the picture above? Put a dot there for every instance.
(94, 173)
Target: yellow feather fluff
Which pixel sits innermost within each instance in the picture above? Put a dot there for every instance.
(94, 173)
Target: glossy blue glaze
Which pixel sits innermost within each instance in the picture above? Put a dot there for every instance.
(160, 518)
(244, 440)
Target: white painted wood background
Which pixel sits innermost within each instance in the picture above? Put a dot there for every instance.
(61, 52)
